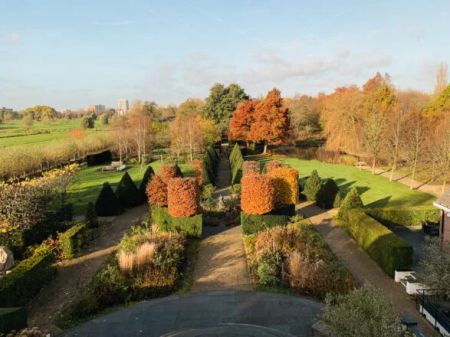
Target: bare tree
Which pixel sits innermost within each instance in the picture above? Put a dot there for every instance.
(441, 78)
(140, 121)
(414, 138)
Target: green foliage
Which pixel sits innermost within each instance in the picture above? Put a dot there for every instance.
(312, 186)
(12, 319)
(191, 226)
(438, 106)
(127, 192)
(327, 194)
(107, 203)
(27, 277)
(269, 269)
(387, 250)
(252, 223)
(71, 241)
(352, 200)
(90, 218)
(149, 172)
(339, 199)
(404, 216)
(236, 162)
(210, 164)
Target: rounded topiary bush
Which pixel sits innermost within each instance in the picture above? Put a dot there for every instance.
(250, 167)
(312, 186)
(157, 191)
(327, 194)
(257, 194)
(183, 197)
(148, 174)
(273, 164)
(286, 185)
(107, 203)
(352, 200)
(127, 192)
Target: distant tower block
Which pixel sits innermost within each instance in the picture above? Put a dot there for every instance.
(122, 106)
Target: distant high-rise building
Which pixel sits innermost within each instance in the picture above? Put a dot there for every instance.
(122, 106)
(97, 108)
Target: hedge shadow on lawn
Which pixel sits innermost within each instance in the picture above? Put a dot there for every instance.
(379, 203)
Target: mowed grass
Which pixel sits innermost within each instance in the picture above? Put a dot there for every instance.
(88, 182)
(375, 190)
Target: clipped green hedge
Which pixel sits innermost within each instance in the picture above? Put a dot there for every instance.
(387, 250)
(27, 278)
(12, 319)
(252, 223)
(210, 164)
(71, 241)
(404, 216)
(236, 161)
(191, 226)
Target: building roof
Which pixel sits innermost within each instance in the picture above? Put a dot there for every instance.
(444, 201)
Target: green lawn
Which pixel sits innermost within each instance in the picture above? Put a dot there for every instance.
(375, 191)
(89, 180)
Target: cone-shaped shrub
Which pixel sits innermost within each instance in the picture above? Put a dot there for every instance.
(90, 217)
(127, 192)
(286, 185)
(145, 179)
(257, 194)
(352, 200)
(327, 194)
(312, 186)
(107, 203)
(273, 164)
(183, 197)
(178, 172)
(167, 172)
(339, 199)
(250, 167)
(156, 191)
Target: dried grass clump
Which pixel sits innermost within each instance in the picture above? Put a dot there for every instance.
(257, 194)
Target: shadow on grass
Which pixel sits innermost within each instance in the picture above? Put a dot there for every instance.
(380, 203)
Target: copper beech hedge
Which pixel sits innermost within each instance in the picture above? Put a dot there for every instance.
(250, 167)
(183, 197)
(286, 185)
(167, 172)
(156, 191)
(271, 165)
(257, 194)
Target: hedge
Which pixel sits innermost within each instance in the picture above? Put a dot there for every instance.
(28, 277)
(191, 226)
(326, 197)
(148, 174)
(107, 203)
(12, 319)
(157, 191)
(250, 167)
(183, 197)
(252, 223)
(271, 165)
(99, 158)
(167, 172)
(286, 185)
(71, 241)
(257, 194)
(236, 162)
(387, 250)
(404, 216)
(127, 192)
(210, 164)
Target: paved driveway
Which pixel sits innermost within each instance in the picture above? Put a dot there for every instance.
(154, 318)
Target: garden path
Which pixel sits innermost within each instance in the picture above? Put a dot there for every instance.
(75, 274)
(221, 262)
(363, 268)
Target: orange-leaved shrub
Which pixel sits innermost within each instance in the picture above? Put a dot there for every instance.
(167, 172)
(286, 185)
(183, 197)
(257, 194)
(273, 164)
(197, 167)
(156, 191)
(250, 167)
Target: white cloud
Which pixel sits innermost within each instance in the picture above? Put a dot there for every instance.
(14, 38)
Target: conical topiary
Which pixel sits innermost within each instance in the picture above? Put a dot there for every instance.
(127, 192)
(339, 199)
(90, 217)
(312, 186)
(145, 179)
(107, 203)
(178, 171)
(327, 194)
(352, 200)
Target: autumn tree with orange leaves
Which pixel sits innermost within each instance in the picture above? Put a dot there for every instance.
(271, 123)
(242, 119)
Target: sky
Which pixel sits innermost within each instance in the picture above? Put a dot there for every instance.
(69, 54)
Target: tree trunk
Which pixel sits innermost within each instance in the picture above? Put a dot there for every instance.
(394, 167)
(411, 184)
(265, 148)
(374, 161)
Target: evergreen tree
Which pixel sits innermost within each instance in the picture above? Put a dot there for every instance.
(352, 200)
(145, 179)
(327, 194)
(90, 217)
(127, 192)
(107, 203)
(312, 186)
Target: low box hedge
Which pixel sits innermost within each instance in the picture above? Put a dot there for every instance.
(404, 216)
(191, 226)
(386, 249)
(27, 277)
(252, 223)
(12, 319)
(71, 241)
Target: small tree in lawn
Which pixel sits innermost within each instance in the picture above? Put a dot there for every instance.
(127, 192)
(352, 200)
(271, 120)
(107, 203)
(312, 186)
(362, 312)
(90, 217)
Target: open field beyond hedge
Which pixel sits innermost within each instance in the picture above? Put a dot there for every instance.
(89, 180)
(375, 191)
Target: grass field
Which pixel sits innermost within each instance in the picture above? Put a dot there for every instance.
(375, 191)
(13, 133)
(89, 180)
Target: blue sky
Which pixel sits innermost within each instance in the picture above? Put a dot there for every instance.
(69, 54)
